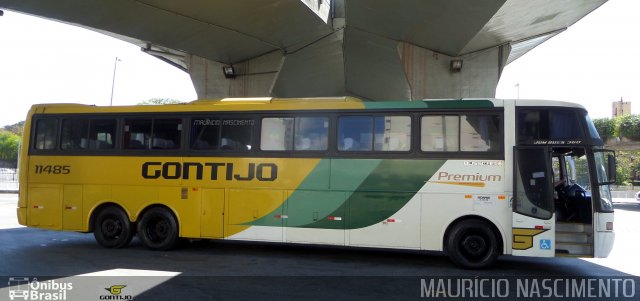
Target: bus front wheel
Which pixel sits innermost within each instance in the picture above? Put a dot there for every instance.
(112, 228)
(472, 244)
(158, 229)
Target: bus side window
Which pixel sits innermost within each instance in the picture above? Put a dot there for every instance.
(311, 133)
(440, 134)
(299, 133)
(392, 133)
(74, 134)
(205, 133)
(167, 133)
(276, 134)
(102, 134)
(479, 133)
(236, 134)
(137, 133)
(46, 132)
(355, 133)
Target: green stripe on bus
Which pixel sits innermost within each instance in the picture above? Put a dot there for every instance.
(431, 104)
(459, 104)
(385, 191)
(401, 104)
(318, 195)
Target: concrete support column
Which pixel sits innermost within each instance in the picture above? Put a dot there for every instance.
(254, 78)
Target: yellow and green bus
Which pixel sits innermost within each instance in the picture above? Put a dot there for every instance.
(475, 178)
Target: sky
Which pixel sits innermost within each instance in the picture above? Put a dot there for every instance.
(43, 61)
(594, 63)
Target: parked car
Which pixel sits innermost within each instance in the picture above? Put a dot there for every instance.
(638, 196)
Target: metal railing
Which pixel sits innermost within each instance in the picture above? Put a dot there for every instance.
(8, 179)
(624, 191)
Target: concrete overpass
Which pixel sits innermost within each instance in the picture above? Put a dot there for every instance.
(373, 49)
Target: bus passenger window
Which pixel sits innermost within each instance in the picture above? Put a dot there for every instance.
(102, 133)
(311, 133)
(479, 133)
(392, 133)
(440, 134)
(276, 134)
(167, 133)
(46, 132)
(355, 133)
(205, 133)
(137, 133)
(299, 133)
(74, 134)
(236, 134)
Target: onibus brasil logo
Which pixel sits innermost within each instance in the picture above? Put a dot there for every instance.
(25, 289)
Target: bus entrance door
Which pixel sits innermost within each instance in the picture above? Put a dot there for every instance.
(574, 195)
(533, 222)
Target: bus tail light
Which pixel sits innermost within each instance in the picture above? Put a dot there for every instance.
(609, 226)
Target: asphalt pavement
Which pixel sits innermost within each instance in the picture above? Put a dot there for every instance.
(222, 270)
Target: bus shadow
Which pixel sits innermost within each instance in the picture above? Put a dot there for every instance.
(267, 271)
(50, 253)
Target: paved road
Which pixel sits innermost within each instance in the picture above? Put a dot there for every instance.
(215, 270)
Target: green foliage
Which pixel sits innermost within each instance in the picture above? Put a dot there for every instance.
(159, 101)
(627, 167)
(606, 127)
(9, 143)
(629, 126)
(16, 128)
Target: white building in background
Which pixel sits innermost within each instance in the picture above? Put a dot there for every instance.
(620, 108)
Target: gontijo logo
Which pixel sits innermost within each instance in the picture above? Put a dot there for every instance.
(116, 291)
(210, 171)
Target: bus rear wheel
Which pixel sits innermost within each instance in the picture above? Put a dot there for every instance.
(112, 228)
(158, 229)
(472, 244)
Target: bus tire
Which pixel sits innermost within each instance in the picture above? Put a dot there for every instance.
(472, 244)
(158, 229)
(112, 228)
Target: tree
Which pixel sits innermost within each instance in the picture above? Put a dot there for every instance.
(15, 128)
(9, 143)
(629, 127)
(606, 127)
(159, 101)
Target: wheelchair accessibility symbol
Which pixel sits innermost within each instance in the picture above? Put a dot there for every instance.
(545, 244)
